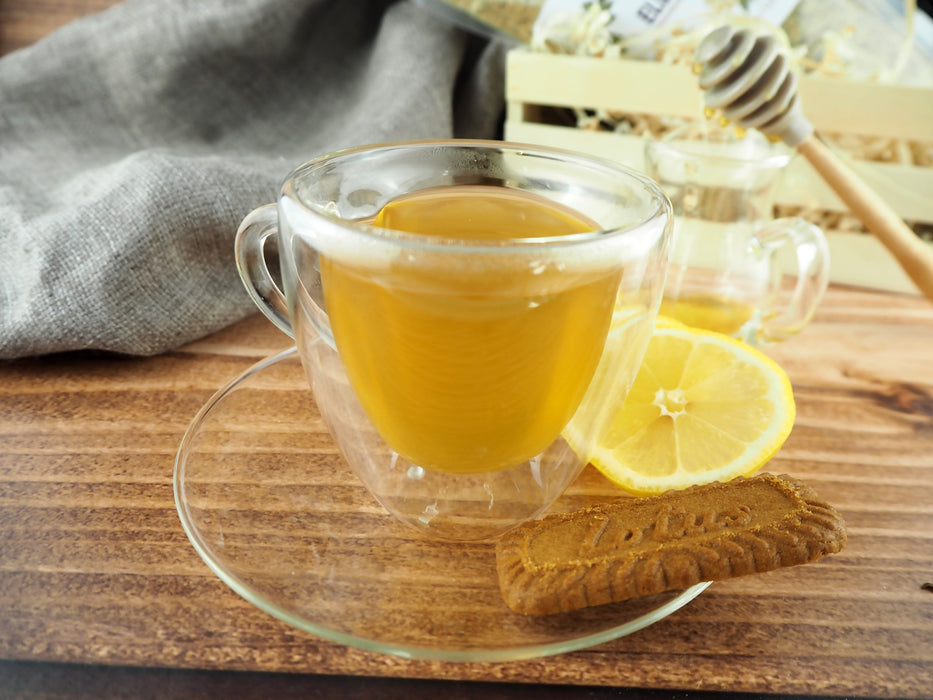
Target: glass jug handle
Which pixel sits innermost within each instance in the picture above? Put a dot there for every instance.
(811, 254)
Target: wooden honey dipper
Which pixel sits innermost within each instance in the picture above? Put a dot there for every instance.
(748, 78)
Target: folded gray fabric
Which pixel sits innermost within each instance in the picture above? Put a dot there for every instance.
(133, 142)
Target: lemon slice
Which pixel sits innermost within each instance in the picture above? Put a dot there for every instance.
(703, 407)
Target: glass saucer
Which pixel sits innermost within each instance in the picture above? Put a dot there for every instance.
(272, 508)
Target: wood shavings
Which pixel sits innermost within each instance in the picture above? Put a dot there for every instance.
(842, 221)
(652, 125)
(515, 17)
(825, 219)
(583, 33)
(877, 149)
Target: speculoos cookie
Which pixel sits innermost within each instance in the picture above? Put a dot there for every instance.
(642, 546)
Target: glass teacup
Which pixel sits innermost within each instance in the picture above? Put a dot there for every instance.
(464, 378)
(729, 255)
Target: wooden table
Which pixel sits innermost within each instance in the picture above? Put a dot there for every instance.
(99, 584)
(95, 567)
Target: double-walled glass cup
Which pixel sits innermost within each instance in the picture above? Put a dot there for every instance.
(464, 380)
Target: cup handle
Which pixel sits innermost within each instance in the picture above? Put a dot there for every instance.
(811, 254)
(250, 244)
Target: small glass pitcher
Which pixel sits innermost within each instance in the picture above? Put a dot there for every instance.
(726, 267)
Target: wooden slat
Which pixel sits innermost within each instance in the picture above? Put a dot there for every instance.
(655, 88)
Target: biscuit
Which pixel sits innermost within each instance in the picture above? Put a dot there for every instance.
(643, 546)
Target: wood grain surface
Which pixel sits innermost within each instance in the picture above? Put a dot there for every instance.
(23, 22)
(95, 569)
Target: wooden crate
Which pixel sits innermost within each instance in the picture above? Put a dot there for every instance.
(536, 82)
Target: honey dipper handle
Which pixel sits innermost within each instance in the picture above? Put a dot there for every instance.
(914, 256)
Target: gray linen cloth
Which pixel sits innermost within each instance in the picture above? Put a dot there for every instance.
(134, 141)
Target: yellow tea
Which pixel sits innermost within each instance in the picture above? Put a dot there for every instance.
(709, 311)
(476, 366)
